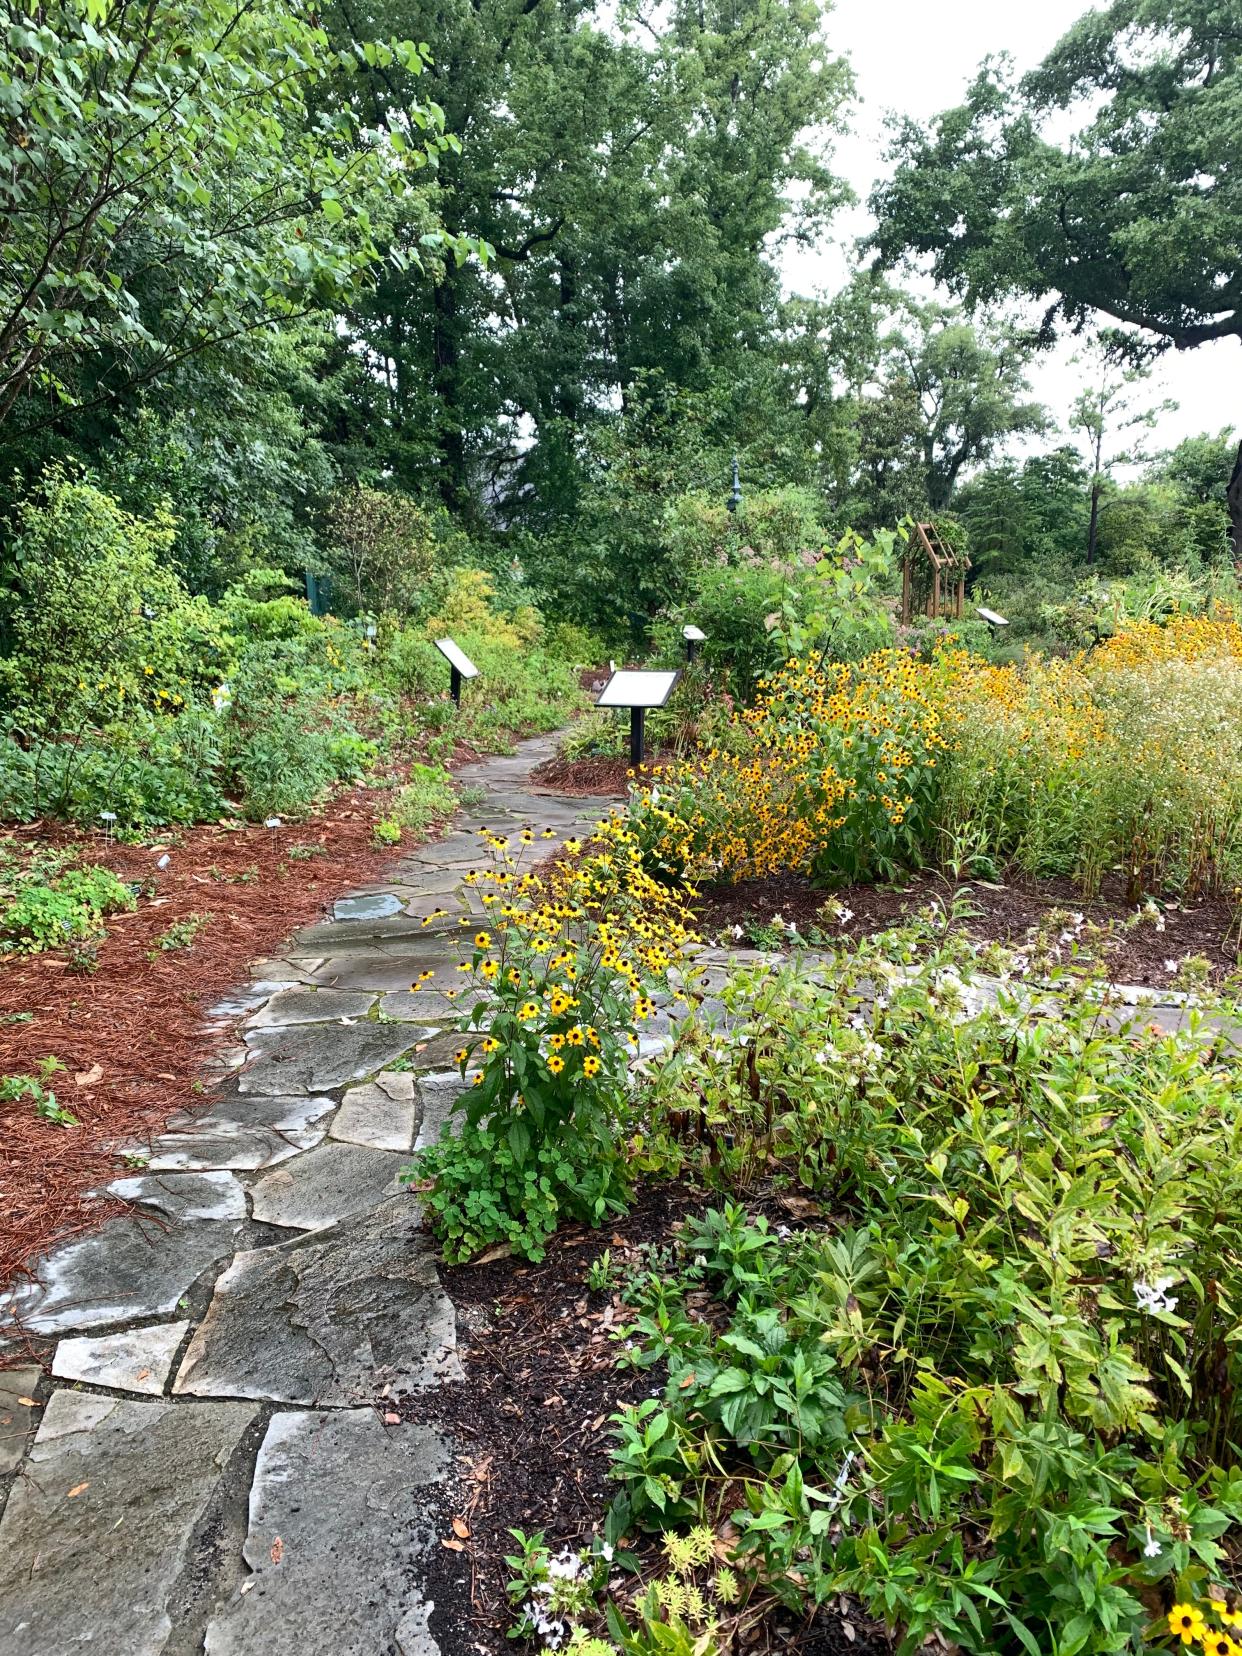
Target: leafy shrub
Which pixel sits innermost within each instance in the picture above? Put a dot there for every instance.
(427, 796)
(999, 1400)
(47, 900)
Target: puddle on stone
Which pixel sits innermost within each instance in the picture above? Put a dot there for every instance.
(378, 907)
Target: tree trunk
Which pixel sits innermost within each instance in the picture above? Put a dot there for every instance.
(1233, 496)
(449, 433)
(1093, 529)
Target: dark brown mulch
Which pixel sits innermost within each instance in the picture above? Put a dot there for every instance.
(542, 1382)
(598, 775)
(1006, 913)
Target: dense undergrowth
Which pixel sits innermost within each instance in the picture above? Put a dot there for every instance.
(129, 701)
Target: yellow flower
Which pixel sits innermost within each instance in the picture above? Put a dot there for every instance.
(1186, 1623)
(556, 1064)
(478, 1081)
(528, 1011)
(460, 1056)
(1231, 1618)
(556, 1042)
(482, 940)
(1218, 1644)
(575, 1036)
(590, 1064)
(489, 969)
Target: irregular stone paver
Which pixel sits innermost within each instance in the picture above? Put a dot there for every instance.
(385, 973)
(244, 1134)
(129, 1268)
(327, 1319)
(71, 1574)
(341, 1515)
(325, 1186)
(317, 1058)
(299, 1006)
(241, 1001)
(438, 1094)
(184, 1196)
(370, 906)
(382, 1114)
(17, 1388)
(137, 1360)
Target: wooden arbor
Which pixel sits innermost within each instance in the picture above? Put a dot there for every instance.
(933, 576)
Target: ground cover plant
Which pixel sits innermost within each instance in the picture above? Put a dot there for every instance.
(984, 1376)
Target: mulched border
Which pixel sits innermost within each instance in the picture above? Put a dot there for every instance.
(132, 1033)
(1004, 913)
(532, 1415)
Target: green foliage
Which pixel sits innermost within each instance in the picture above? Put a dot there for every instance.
(48, 900)
(178, 176)
(428, 796)
(1104, 221)
(180, 935)
(35, 1088)
(1016, 1337)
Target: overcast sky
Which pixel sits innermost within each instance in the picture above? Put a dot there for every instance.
(918, 59)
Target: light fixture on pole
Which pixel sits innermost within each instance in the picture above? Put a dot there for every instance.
(735, 494)
(693, 638)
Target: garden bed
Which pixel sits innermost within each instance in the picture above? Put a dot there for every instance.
(598, 774)
(1007, 913)
(532, 1417)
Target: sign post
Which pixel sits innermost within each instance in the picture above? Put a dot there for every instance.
(693, 638)
(460, 666)
(637, 690)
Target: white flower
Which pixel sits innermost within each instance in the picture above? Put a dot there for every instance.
(1153, 1298)
(1170, 965)
(1151, 1548)
(844, 916)
(221, 697)
(606, 1551)
(738, 932)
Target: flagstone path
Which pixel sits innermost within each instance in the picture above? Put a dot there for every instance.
(209, 1468)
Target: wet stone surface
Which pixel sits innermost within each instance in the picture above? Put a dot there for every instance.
(270, 1285)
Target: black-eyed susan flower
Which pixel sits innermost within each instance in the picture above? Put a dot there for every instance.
(590, 1065)
(556, 1063)
(1186, 1623)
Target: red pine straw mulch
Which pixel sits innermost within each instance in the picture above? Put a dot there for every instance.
(131, 1034)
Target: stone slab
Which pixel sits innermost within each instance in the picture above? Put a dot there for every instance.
(318, 1057)
(342, 1513)
(385, 973)
(367, 906)
(242, 1133)
(95, 1538)
(126, 1270)
(305, 1005)
(184, 1197)
(343, 936)
(16, 1415)
(136, 1360)
(437, 1095)
(381, 1115)
(241, 1001)
(328, 1319)
(325, 1186)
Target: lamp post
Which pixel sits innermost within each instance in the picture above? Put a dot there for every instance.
(735, 494)
(693, 638)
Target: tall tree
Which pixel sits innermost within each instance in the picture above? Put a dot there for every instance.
(1137, 213)
(1109, 412)
(163, 189)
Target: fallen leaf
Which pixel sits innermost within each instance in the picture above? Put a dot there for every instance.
(88, 1078)
(501, 1251)
(453, 1546)
(164, 1076)
(278, 1550)
(461, 1529)
(143, 1374)
(392, 1420)
(688, 1379)
(77, 1490)
(29, 1402)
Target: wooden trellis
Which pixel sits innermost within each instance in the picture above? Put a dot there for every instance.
(933, 576)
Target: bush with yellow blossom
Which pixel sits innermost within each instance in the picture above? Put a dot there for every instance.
(561, 976)
(835, 774)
